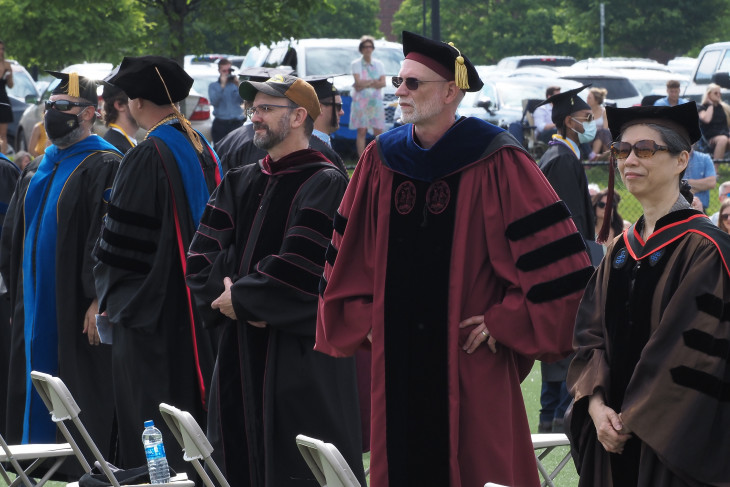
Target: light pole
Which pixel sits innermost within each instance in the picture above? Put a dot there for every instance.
(603, 23)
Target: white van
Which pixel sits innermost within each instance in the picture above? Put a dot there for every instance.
(312, 57)
(713, 65)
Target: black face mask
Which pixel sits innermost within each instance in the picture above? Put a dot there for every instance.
(58, 124)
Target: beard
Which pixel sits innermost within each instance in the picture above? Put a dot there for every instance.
(421, 111)
(70, 138)
(271, 138)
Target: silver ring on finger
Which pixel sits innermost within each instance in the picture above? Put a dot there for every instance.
(484, 332)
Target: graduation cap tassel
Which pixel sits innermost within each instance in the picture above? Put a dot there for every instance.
(194, 137)
(608, 212)
(73, 85)
(461, 77)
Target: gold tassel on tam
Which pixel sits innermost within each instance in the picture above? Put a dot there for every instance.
(73, 85)
(194, 137)
(460, 75)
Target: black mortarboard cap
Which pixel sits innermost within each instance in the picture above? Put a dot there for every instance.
(110, 91)
(445, 59)
(682, 118)
(323, 86)
(158, 79)
(566, 103)
(261, 73)
(77, 86)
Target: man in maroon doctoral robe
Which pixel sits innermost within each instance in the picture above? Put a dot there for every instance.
(454, 259)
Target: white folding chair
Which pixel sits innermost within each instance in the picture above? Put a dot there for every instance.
(326, 463)
(548, 442)
(38, 453)
(195, 445)
(63, 407)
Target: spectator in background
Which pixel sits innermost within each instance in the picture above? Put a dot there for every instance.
(672, 97)
(226, 102)
(367, 109)
(700, 175)
(724, 216)
(723, 194)
(117, 117)
(22, 159)
(542, 115)
(38, 140)
(599, 210)
(602, 143)
(714, 120)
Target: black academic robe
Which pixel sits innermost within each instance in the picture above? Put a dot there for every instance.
(267, 227)
(237, 149)
(117, 140)
(9, 173)
(84, 368)
(565, 174)
(140, 282)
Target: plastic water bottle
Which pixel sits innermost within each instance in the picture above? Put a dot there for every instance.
(155, 451)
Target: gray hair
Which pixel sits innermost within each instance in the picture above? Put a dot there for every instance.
(724, 188)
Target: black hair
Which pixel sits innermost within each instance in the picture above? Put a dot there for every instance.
(676, 144)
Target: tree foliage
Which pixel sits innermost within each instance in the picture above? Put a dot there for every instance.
(487, 30)
(52, 34)
(345, 19)
(184, 26)
(661, 29)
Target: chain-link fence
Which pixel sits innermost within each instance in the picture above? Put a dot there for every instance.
(629, 208)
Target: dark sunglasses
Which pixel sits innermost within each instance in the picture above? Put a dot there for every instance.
(64, 105)
(725, 216)
(337, 106)
(642, 149)
(601, 204)
(412, 83)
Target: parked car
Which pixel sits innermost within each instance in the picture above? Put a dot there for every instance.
(312, 57)
(653, 82)
(683, 65)
(22, 93)
(501, 100)
(713, 59)
(514, 62)
(195, 107)
(623, 63)
(621, 91)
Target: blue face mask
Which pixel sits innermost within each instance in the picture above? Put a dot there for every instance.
(589, 131)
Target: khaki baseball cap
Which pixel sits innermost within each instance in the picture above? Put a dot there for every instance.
(284, 86)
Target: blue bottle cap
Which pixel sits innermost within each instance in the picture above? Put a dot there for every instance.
(149, 423)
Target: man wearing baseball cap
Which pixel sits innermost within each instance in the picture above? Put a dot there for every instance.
(160, 351)
(254, 268)
(455, 261)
